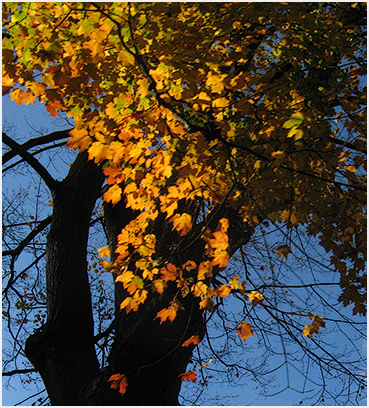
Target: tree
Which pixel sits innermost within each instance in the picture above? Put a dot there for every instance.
(200, 125)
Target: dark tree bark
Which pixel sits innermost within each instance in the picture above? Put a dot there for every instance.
(147, 352)
(63, 350)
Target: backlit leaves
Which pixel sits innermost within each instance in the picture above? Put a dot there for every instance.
(256, 298)
(222, 120)
(169, 313)
(244, 330)
(192, 340)
(119, 382)
(182, 223)
(313, 328)
(188, 376)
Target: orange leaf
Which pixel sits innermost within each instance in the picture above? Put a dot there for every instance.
(119, 381)
(169, 272)
(20, 97)
(283, 251)
(192, 340)
(53, 107)
(113, 195)
(99, 152)
(244, 330)
(188, 376)
(182, 223)
(80, 139)
(223, 290)
(169, 313)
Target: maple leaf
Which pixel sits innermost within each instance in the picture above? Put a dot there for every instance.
(168, 313)
(283, 251)
(192, 340)
(220, 103)
(256, 298)
(313, 328)
(80, 139)
(244, 330)
(20, 96)
(113, 195)
(53, 107)
(169, 272)
(188, 376)
(223, 290)
(182, 223)
(104, 251)
(99, 152)
(159, 285)
(119, 382)
(207, 303)
(204, 271)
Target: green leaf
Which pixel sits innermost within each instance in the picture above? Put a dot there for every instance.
(296, 120)
(19, 15)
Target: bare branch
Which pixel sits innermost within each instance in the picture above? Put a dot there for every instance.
(16, 251)
(51, 137)
(24, 371)
(30, 159)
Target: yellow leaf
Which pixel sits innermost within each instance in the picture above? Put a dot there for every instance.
(200, 289)
(99, 152)
(313, 328)
(279, 154)
(234, 283)
(182, 223)
(20, 97)
(159, 285)
(207, 303)
(215, 82)
(126, 278)
(80, 139)
(113, 195)
(220, 103)
(104, 251)
(256, 298)
(244, 330)
(295, 133)
(351, 169)
(223, 290)
(129, 304)
(204, 270)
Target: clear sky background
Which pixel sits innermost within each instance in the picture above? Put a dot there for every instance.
(297, 384)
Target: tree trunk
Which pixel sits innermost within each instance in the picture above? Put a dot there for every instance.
(148, 352)
(63, 350)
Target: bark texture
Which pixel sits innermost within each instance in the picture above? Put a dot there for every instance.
(63, 350)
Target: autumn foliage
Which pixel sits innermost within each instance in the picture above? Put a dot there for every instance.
(244, 106)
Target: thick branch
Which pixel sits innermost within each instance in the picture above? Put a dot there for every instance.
(36, 152)
(24, 371)
(34, 163)
(38, 141)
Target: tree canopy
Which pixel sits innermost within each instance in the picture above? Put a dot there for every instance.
(208, 122)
